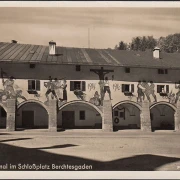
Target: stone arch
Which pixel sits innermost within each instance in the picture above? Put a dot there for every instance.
(160, 120)
(163, 103)
(35, 111)
(83, 102)
(3, 106)
(130, 118)
(128, 102)
(69, 117)
(34, 101)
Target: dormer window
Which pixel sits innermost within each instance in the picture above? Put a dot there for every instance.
(127, 70)
(162, 71)
(78, 68)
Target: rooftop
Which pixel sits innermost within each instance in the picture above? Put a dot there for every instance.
(27, 53)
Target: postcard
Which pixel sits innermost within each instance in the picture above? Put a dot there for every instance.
(89, 90)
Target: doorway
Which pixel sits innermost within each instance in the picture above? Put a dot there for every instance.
(68, 119)
(28, 119)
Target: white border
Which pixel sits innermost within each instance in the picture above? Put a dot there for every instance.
(89, 4)
(90, 174)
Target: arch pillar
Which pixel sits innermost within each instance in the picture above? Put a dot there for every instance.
(145, 119)
(107, 122)
(52, 115)
(177, 117)
(11, 115)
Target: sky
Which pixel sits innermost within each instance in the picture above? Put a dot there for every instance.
(68, 26)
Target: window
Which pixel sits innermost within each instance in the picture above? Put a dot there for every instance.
(3, 112)
(32, 66)
(78, 68)
(127, 70)
(34, 85)
(162, 88)
(121, 114)
(81, 85)
(128, 88)
(116, 113)
(162, 71)
(82, 115)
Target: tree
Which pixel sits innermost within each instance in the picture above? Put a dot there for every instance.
(171, 43)
(116, 47)
(143, 43)
(151, 42)
(122, 46)
(136, 43)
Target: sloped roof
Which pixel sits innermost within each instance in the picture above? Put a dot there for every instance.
(26, 53)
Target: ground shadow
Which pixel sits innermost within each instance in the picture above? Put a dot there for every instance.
(5, 134)
(61, 129)
(58, 146)
(19, 155)
(19, 139)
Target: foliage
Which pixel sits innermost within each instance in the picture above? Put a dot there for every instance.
(170, 43)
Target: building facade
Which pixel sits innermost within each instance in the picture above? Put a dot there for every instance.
(55, 88)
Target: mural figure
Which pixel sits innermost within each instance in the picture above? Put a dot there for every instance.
(140, 91)
(172, 98)
(96, 99)
(145, 85)
(177, 86)
(50, 88)
(107, 88)
(58, 88)
(101, 86)
(11, 91)
(152, 91)
(79, 93)
(149, 90)
(101, 73)
(9, 87)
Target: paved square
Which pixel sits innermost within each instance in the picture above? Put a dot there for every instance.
(126, 150)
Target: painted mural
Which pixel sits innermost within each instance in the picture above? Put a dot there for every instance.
(177, 86)
(56, 89)
(145, 90)
(10, 89)
(93, 91)
(116, 86)
(96, 100)
(91, 86)
(103, 83)
(80, 94)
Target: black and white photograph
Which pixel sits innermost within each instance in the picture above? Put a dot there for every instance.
(90, 88)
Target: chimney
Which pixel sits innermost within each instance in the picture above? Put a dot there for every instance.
(156, 53)
(52, 48)
(14, 41)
